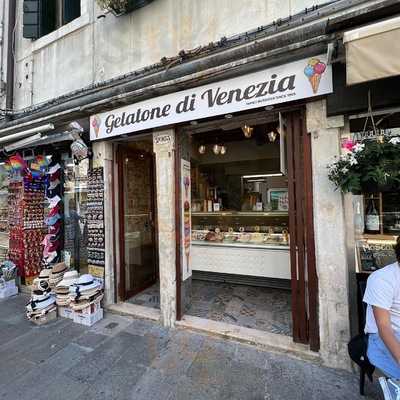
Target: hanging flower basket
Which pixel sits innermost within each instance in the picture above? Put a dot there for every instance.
(371, 166)
(121, 7)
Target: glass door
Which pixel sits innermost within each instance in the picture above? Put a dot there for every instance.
(138, 245)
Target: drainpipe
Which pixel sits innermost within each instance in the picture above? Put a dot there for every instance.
(10, 57)
(2, 29)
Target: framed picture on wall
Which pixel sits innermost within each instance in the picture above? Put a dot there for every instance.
(278, 199)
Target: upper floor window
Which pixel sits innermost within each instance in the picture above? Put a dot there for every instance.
(44, 16)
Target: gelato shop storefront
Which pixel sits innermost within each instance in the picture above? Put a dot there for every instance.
(213, 201)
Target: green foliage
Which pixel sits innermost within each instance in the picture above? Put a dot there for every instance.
(371, 163)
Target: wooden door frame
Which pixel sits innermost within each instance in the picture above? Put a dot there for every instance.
(121, 152)
(304, 279)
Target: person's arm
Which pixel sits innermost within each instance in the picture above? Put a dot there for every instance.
(382, 318)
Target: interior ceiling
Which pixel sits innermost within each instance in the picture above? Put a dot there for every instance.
(236, 135)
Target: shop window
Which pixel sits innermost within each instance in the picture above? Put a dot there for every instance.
(42, 17)
(75, 221)
(376, 199)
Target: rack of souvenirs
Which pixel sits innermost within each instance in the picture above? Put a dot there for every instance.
(26, 218)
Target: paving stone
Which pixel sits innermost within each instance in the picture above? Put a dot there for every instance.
(91, 340)
(140, 360)
(65, 359)
(112, 385)
(153, 386)
(140, 327)
(102, 329)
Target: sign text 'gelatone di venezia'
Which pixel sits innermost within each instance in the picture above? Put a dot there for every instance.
(288, 82)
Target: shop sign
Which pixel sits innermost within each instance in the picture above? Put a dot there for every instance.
(186, 219)
(293, 81)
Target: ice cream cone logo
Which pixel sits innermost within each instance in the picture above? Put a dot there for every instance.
(313, 71)
(96, 122)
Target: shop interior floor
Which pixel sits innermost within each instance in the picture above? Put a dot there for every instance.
(150, 297)
(259, 308)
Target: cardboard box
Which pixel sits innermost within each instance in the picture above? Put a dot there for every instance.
(9, 290)
(93, 308)
(10, 284)
(65, 312)
(88, 319)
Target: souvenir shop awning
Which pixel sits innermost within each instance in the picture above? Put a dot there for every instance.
(372, 51)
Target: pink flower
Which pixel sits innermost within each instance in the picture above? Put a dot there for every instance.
(348, 144)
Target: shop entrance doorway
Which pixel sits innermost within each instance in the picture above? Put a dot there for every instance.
(252, 253)
(138, 255)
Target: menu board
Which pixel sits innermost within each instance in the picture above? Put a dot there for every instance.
(95, 222)
(375, 254)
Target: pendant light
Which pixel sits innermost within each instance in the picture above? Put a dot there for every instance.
(202, 149)
(216, 149)
(222, 150)
(272, 136)
(247, 131)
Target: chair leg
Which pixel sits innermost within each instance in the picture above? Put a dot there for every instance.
(362, 382)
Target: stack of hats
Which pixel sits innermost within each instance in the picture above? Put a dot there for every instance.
(41, 303)
(63, 287)
(42, 281)
(57, 274)
(53, 240)
(84, 292)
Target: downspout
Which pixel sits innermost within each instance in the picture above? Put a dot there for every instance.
(2, 30)
(10, 57)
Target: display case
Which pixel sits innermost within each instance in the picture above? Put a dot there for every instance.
(243, 243)
(262, 229)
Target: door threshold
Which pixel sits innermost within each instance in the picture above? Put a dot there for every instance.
(135, 310)
(265, 340)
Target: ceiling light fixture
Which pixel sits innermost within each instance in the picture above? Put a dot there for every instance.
(216, 149)
(202, 149)
(222, 150)
(272, 136)
(228, 116)
(247, 131)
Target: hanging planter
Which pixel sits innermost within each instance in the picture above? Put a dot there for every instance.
(371, 166)
(121, 7)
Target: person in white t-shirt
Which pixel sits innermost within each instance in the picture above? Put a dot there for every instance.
(383, 317)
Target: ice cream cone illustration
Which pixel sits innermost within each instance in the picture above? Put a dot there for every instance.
(186, 224)
(313, 71)
(96, 122)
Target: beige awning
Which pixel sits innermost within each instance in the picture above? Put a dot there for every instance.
(373, 51)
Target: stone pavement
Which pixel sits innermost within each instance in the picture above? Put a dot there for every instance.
(123, 358)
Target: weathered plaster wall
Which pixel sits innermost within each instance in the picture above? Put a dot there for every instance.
(90, 50)
(330, 238)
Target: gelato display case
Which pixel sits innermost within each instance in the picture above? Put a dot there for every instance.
(243, 243)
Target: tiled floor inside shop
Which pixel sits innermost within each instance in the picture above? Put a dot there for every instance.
(249, 306)
(253, 307)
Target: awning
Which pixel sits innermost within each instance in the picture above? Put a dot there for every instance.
(373, 51)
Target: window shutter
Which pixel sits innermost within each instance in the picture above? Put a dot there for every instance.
(31, 19)
(71, 10)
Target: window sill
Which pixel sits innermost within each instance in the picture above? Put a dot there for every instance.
(65, 30)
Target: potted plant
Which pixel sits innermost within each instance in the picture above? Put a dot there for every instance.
(371, 166)
(121, 7)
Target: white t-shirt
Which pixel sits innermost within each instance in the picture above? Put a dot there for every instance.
(383, 291)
